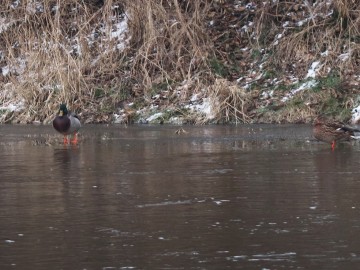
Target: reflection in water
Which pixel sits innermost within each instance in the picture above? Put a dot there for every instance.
(218, 197)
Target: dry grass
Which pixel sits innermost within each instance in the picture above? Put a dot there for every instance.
(229, 102)
(61, 65)
(329, 32)
(307, 104)
(169, 39)
(64, 51)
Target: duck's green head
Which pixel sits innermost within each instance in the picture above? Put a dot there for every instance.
(63, 110)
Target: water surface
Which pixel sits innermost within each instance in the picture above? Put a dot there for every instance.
(143, 197)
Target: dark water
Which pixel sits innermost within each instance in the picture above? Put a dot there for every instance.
(245, 197)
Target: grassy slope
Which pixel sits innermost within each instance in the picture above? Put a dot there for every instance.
(188, 61)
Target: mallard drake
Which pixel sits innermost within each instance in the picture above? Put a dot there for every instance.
(67, 123)
(331, 131)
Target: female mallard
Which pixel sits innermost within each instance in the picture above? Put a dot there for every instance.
(332, 131)
(67, 123)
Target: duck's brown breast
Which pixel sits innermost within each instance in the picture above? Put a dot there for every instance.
(61, 124)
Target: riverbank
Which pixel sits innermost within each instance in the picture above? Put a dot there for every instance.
(180, 62)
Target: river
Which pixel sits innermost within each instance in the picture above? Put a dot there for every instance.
(144, 197)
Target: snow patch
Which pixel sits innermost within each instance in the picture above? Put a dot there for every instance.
(324, 54)
(315, 66)
(15, 4)
(286, 24)
(4, 25)
(355, 115)
(344, 57)
(13, 107)
(301, 23)
(5, 70)
(154, 117)
(306, 85)
(118, 31)
(35, 7)
(194, 97)
(176, 120)
(17, 68)
(267, 94)
(119, 118)
(277, 38)
(204, 107)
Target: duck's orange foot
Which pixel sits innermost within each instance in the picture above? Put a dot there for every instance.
(74, 142)
(75, 139)
(333, 145)
(66, 141)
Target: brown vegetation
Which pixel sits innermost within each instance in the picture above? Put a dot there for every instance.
(230, 52)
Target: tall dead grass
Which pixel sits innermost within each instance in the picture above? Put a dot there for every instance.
(68, 53)
(62, 52)
(169, 39)
(319, 31)
(229, 102)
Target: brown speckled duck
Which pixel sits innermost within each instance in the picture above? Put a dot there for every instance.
(67, 123)
(331, 131)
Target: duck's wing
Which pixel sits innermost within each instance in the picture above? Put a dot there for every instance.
(340, 127)
(75, 123)
(345, 128)
(74, 115)
(336, 125)
(350, 129)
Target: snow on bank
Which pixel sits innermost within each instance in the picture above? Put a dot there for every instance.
(344, 57)
(110, 34)
(312, 72)
(202, 105)
(4, 25)
(314, 69)
(355, 115)
(154, 117)
(117, 30)
(303, 86)
(18, 67)
(12, 107)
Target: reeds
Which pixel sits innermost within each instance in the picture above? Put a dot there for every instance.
(60, 51)
(324, 31)
(169, 40)
(69, 54)
(71, 51)
(229, 102)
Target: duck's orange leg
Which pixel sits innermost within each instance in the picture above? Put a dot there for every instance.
(75, 139)
(65, 140)
(333, 145)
